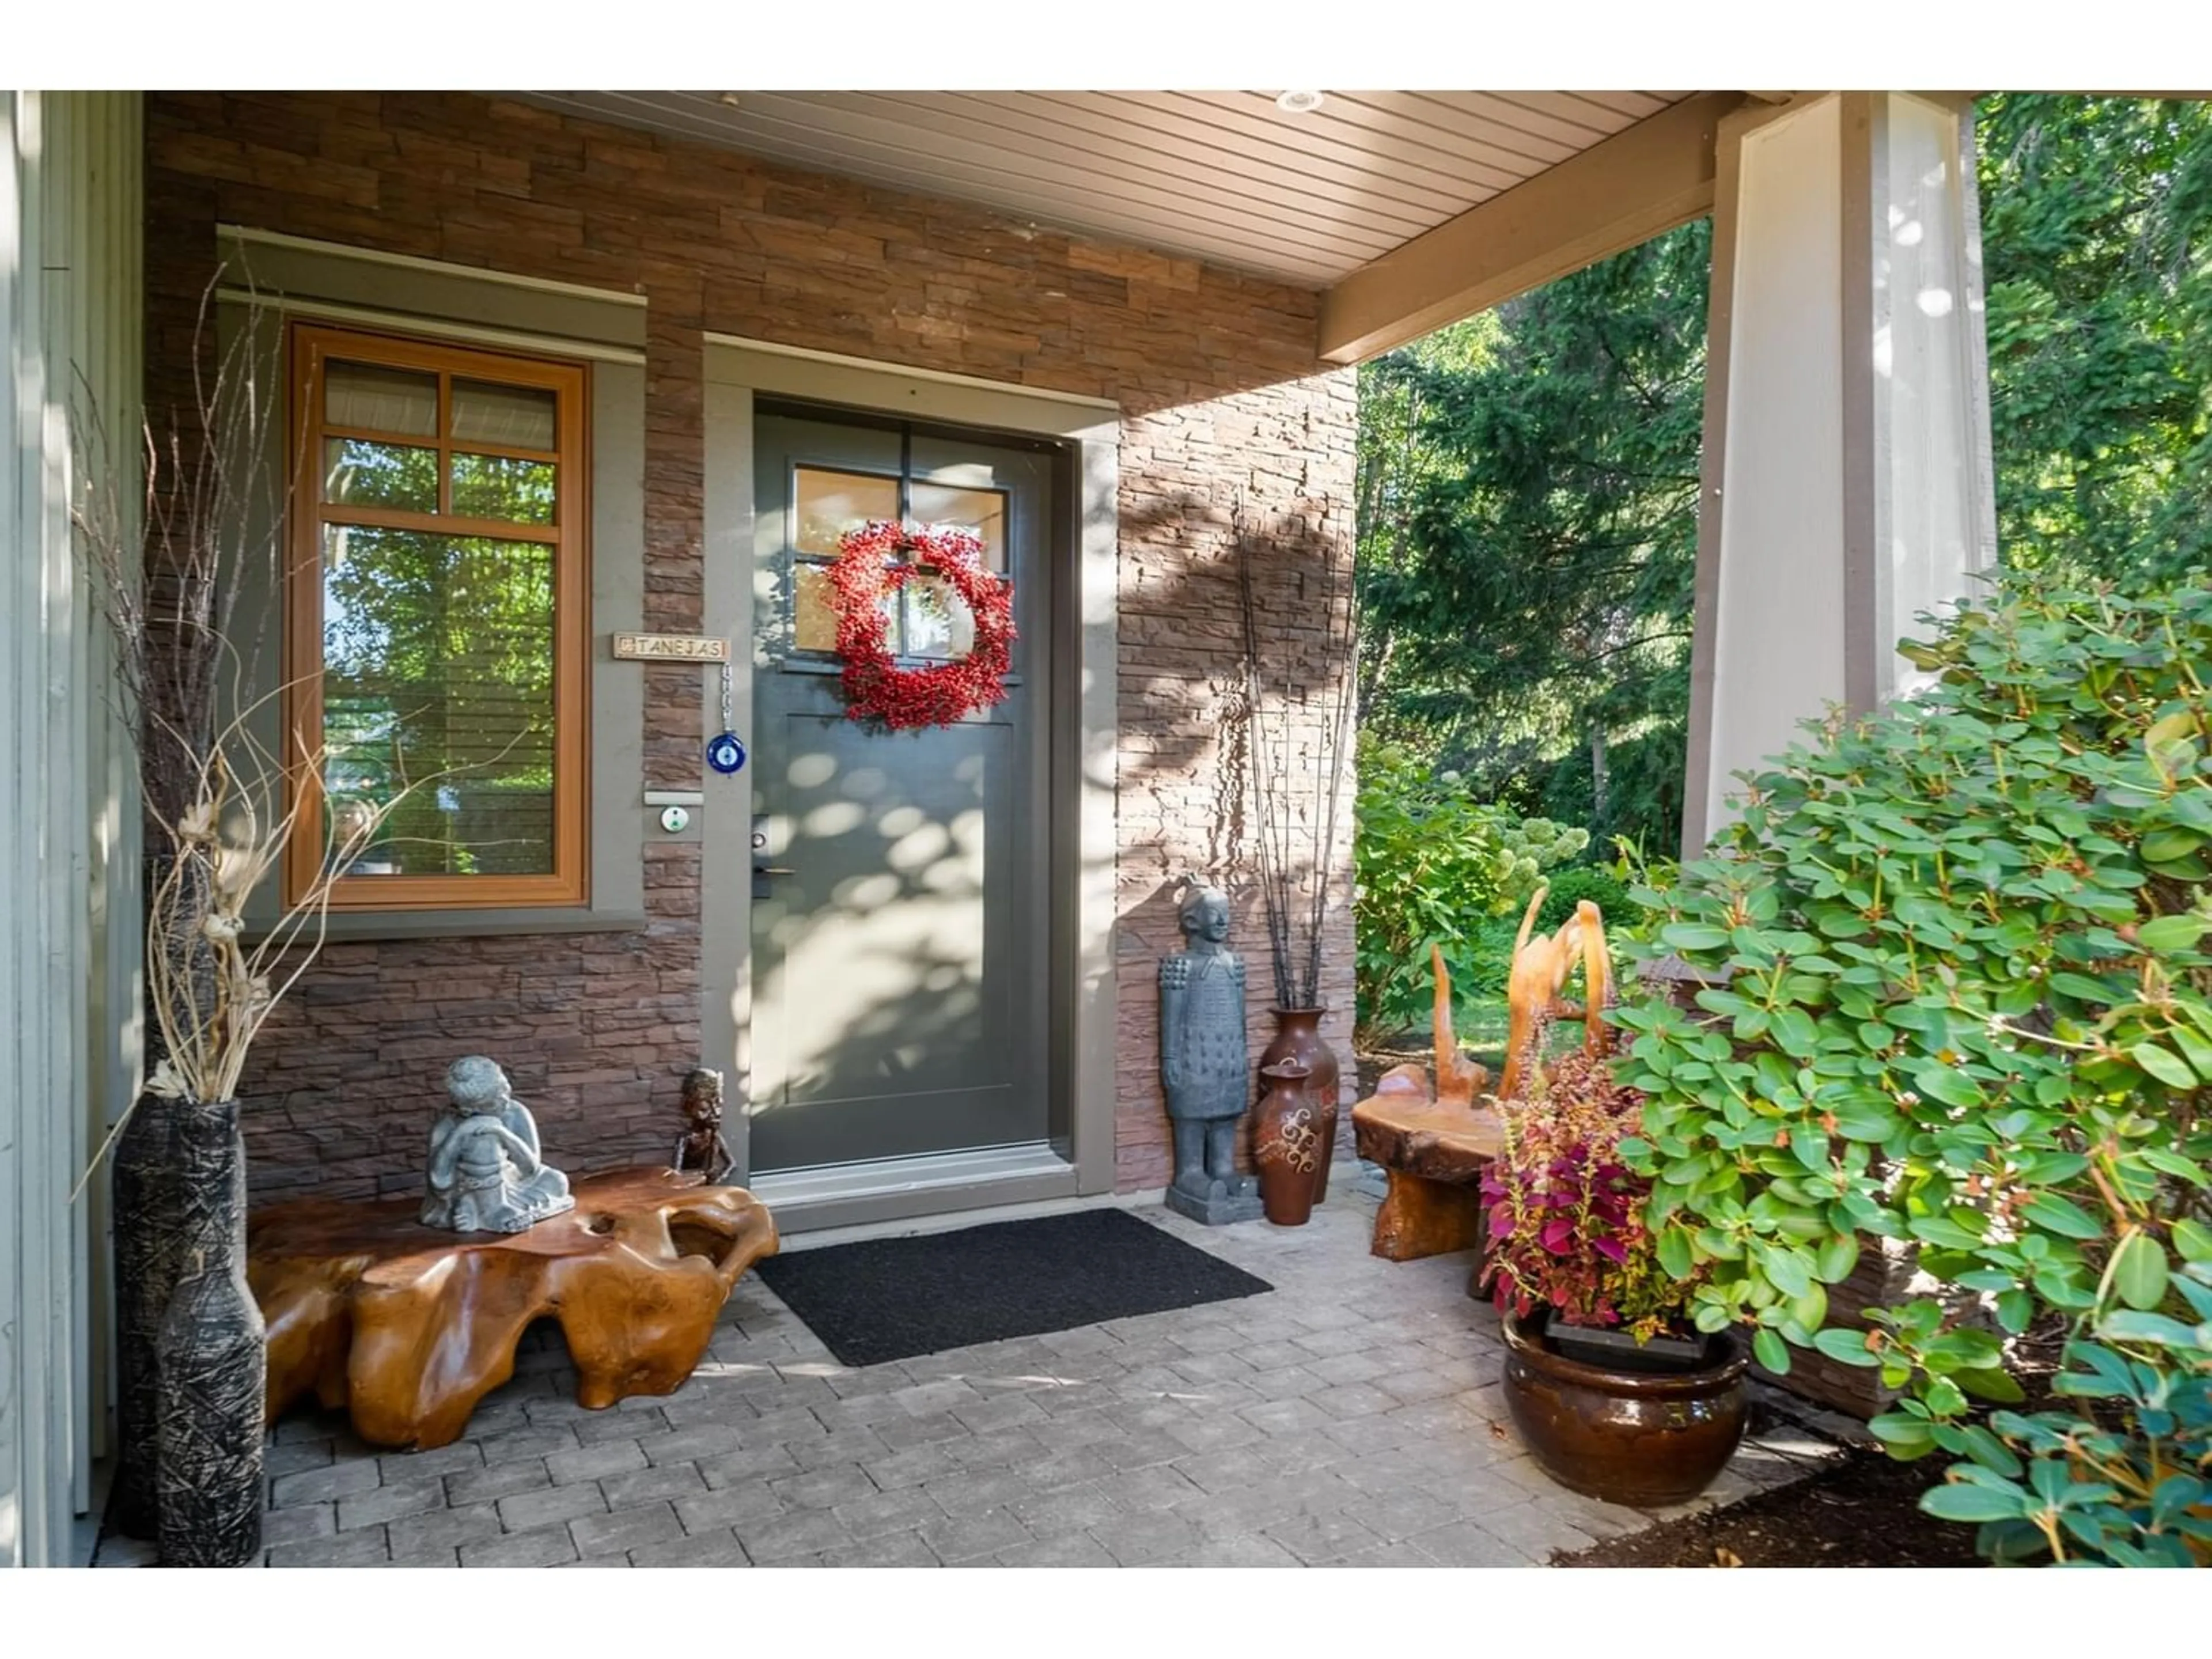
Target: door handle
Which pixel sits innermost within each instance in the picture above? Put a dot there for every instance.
(760, 874)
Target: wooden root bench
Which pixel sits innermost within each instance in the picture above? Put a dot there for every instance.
(1438, 1144)
(1436, 1152)
(407, 1327)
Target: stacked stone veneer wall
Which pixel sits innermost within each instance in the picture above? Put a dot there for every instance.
(1221, 394)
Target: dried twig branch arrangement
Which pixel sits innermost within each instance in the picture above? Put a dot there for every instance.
(214, 796)
(1297, 717)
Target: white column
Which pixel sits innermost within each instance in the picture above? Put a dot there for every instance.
(1847, 482)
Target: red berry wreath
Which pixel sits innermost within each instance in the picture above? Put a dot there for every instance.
(876, 687)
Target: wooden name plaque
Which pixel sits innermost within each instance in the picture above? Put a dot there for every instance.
(671, 647)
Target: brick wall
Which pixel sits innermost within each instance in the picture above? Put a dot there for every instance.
(1186, 803)
(1220, 392)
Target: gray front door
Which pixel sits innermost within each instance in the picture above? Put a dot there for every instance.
(899, 926)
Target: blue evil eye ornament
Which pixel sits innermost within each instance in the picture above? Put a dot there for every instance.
(725, 754)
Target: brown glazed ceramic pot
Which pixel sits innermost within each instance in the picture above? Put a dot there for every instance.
(1285, 1131)
(1298, 1036)
(1641, 1439)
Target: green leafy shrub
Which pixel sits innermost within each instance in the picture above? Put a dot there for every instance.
(1482, 962)
(1434, 865)
(1564, 889)
(1643, 882)
(1969, 1006)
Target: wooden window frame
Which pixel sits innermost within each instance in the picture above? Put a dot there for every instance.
(312, 346)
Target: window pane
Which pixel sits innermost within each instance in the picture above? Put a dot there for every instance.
(814, 616)
(438, 670)
(830, 503)
(939, 623)
(511, 416)
(945, 507)
(370, 398)
(501, 487)
(359, 473)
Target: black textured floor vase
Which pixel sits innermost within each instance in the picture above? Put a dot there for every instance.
(147, 1226)
(211, 1360)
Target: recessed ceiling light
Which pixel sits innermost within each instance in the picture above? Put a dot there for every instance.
(1297, 103)
(731, 99)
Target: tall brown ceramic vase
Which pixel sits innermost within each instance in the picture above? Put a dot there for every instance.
(1297, 1037)
(1284, 1145)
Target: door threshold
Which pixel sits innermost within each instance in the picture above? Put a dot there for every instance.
(898, 1188)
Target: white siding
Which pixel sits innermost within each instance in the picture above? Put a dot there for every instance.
(69, 311)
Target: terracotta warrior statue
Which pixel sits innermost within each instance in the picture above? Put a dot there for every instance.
(1204, 1062)
(701, 1146)
(486, 1173)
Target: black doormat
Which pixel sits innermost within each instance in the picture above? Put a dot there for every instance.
(893, 1298)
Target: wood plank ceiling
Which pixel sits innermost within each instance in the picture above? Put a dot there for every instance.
(1226, 177)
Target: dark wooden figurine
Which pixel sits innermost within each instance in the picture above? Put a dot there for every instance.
(701, 1148)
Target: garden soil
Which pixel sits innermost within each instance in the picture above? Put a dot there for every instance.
(1861, 1512)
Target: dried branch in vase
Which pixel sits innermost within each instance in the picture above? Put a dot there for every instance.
(167, 563)
(1298, 738)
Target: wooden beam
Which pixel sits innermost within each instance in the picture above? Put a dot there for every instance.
(1623, 190)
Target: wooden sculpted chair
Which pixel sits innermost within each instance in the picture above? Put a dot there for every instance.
(1435, 1143)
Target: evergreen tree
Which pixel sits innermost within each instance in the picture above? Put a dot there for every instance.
(1529, 478)
(1527, 593)
(2097, 249)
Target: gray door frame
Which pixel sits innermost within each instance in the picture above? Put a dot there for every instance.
(1082, 712)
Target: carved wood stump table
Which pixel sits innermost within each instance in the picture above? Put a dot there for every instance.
(1436, 1152)
(408, 1328)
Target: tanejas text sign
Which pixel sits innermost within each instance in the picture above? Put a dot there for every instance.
(667, 648)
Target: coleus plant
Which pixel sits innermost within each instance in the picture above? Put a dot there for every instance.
(1566, 1228)
(1964, 1003)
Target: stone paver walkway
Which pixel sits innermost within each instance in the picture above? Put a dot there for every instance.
(1352, 1416)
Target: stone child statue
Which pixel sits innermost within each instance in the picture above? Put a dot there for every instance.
(701, 1146)
(486, 1173)
(1205, 1063)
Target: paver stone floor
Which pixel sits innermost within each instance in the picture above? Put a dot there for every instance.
(1352, 1416)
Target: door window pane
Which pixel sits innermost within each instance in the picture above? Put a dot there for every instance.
(502, 486)
(982, 511)
(814, 613)
(357, 472)
(814, 617)
(438, 671)
(370, 398)
(511, 417)
(939, 623)
(826, 504)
